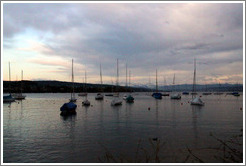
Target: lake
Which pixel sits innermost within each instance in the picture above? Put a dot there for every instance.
(147, 130)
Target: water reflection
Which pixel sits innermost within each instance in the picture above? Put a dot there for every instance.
(196, 115)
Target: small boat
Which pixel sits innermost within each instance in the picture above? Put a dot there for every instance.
(18, 96)
(86, 103)
(99, 96)
(176, 96)
(236, 95)
(116, 102)
(193, 93)
(185, 93)
(73, 99)
(197, 101)
(8, 98)
(82, 94)
(124, 97)
(157, 95)
(130, 99)
(165, 94)
(68, 109)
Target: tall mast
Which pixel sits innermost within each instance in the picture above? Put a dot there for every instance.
(9, 78)
(194, 77)
(21, 79)
(72, 94)
(117, 80)
(101, 74)
(126, 75)
(9, 73)
(156, 88)
(129, 77)
(174, 82)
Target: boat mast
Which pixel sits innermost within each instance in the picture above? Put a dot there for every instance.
(174, 82)
(101, 74)
(194, 77)
(9, 79)
(126, 74)
(156, 88)
(21, 79)
(72, 94)
(129, 79)
(117, 79)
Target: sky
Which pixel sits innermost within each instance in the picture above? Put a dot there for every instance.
(42, 39)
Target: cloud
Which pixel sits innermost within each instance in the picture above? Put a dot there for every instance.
(146, 36)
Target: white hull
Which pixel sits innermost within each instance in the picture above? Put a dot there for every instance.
(116, 102)
(176, 96)
(197, 101)
(86, 103)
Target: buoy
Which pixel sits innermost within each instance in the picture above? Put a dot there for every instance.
(181, 103)
(188, 102)
(149, 108)
(200, 96)
(241, 108)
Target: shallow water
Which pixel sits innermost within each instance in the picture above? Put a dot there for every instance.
(34, 131)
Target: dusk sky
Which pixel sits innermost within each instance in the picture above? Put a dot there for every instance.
(42, 39)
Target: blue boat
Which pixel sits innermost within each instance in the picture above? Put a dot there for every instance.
(157, 95)
(68, 109)
(130, 99)
(8, 98)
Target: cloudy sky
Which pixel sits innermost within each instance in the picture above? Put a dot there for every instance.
(42, 39)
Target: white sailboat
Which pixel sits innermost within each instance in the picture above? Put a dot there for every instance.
(86, 102)
(195, 100)
(19, 96)
(8, 98)
(99, 96)
(73, 99)
(116, 101)
(175, 95)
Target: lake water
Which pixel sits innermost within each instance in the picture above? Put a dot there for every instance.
(34, 131)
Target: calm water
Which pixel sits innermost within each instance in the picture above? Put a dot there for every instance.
(34, 131)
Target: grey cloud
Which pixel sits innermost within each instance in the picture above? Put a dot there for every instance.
(146, 36)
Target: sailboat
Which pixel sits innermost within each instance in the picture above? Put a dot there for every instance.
(86, 102)
(195, 100)
(69, 108)
(157, 95)
(9, 97)
(117, 100)
(83, 93)
(129, 98)
(99, 96)
(19, 96)
(73, 99)
(175, 95)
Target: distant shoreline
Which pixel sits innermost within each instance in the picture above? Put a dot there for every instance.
(66, 87)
